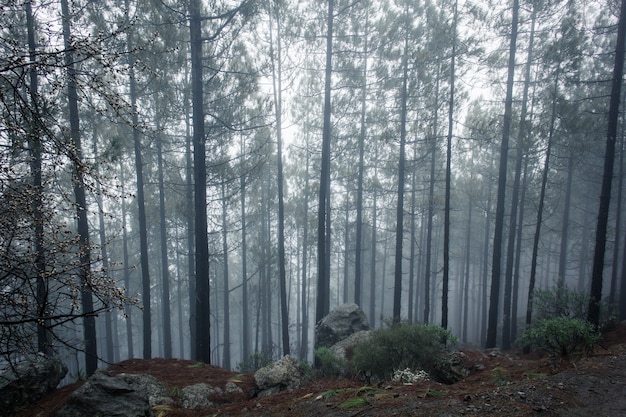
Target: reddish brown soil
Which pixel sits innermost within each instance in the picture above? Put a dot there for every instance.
(500, 384)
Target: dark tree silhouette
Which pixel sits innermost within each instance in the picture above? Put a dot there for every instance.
(593, 314)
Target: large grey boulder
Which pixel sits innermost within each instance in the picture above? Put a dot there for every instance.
(282, 375)
(339, 324)
(29, 380)
(103, 395)
(149, 387)
(344, 348)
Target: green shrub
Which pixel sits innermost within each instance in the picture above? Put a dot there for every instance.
(330, 365)
(561, 301)
(402, 346)
(254, 362)
(560, 337)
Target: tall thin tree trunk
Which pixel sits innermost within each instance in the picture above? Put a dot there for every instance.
(278, 103)
(372, 306)
(618, 226)
(189, 199)
(492, 328)
(128, 309)
(446, 222)
(465, 298)
(226, 288)
(165, 267)
(179, 297)
(304, 348)
(485, 261)
(44, 338)
(397, 286)
(359, 194)
(518, 252)
(108, 319)
(202, 295)
(565, 225)
(412, 297)
(346, 248)
(245, 324)
(84, 270)
(593, 314)
(323, 212)
(143, 233)
(521, 139)
(431, 207)
(542, 195)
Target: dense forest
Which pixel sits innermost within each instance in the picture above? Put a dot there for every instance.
(207, 179)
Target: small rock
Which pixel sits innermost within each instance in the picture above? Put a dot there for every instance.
(196, 397)
(284, 374)
(231, 388)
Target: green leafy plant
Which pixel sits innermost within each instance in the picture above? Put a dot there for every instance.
(254, 362)
(306, 368)
(330, 365)
(534, 375)
(197, 365)
(402, 346)
(499, 375)
(561, 301)
(330, 394)
(175, 391)
(353, 403)
(560, 337)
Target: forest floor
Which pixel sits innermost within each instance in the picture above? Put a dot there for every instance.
(500, 384)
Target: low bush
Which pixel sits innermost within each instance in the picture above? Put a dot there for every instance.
(561, 301)
(402, 346)
(329, 364)
(560, 337)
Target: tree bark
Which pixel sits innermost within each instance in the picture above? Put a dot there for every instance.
(84, 269)
(245, 324)
(593, 313)
(519, 157)
(128, 309)
(542, 195)
(202, 300)
(492, 328)
(323, 213)
(446, 222)
(278, 105)
(397, 285)
(165, 268)
(226, 288)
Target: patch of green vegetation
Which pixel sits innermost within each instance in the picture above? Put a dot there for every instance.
(330, 394)
(330, 365)
(534, 375)
(499, 374)
(236, 378)
(402, 346)
(560, 337)
(353, 403)
(175, 391)
(367, 390)
(197, 365)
